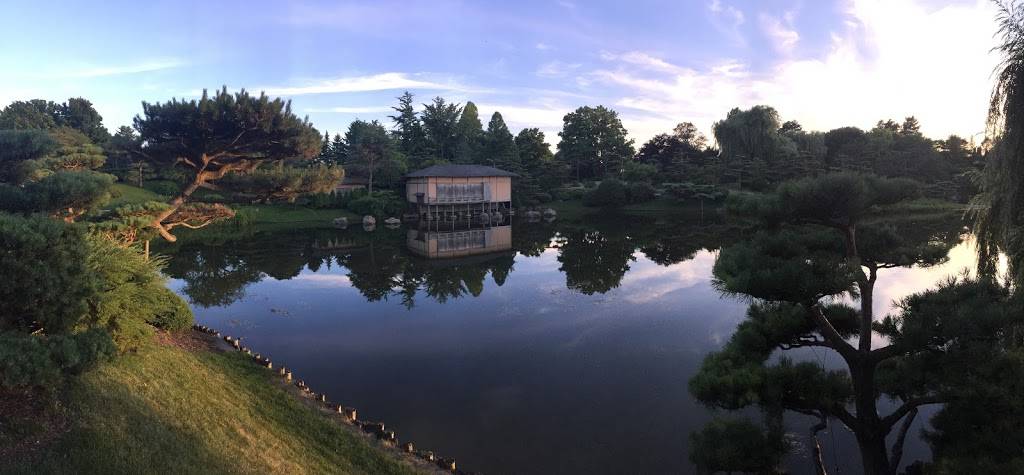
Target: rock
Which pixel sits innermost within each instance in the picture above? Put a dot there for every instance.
(532, 215)
(369, 220)
(392, 221)
(369, 227)
(550, 212)
(341, 222)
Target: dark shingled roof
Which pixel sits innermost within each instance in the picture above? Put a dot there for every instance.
(459, 171)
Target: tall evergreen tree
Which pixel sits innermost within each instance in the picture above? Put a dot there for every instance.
(469, 135)
(409, 130)
(369, 149)
(440, 120)
(499, 145)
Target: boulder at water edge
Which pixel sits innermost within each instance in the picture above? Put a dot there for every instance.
(369, 220)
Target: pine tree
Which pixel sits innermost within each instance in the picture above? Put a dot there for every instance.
(325, 149)
(408, 130)
(469, 136)
(499, 145)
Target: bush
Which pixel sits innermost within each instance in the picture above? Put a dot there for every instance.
(42, 360)
(613, 193)
(379, 204)
(162, 187)
(641, 192)
(633, 171)
(175, 314)
(48, 280)
(133, 297)
(609, 194)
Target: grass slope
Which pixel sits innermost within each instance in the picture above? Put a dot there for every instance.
(170, 410)
(128, 194)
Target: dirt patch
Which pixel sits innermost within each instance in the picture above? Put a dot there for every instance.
(191, 340)
(29, 422)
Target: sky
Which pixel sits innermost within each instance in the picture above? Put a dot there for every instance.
(824, 63)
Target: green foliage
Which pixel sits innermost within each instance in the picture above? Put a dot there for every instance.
(43, 360)
(469, 136)
(172, 313)
(612, 193)
(68, 195)
(499, 147)
(369, 151)
(162, 187)
(36, 114)
(19, 146)
(440, 123)
(53, 283)
(285, 182)
(412, 140)
(633, 171)
(380, 204)
(133, 295)
(737, 445)
(594, 142)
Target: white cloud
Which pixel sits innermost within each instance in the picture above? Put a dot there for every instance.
(543, 46)
(375, 82)
(350, 110)
(784, 38)
(556, 69)
(891, 59)
(727, 19)
(93, 71)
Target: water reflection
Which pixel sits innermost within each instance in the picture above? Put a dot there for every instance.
(567, 350)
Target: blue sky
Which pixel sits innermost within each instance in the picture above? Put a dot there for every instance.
(826, 63)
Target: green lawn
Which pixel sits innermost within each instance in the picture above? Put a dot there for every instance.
(128, 194)
(170, 410)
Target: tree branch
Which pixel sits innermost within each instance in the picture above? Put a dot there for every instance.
(897, 448)
(911, 405)
(831, 334)
(819, 462)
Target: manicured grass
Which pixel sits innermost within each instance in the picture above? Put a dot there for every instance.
(128, 194)
(280, 216)
(170, 410)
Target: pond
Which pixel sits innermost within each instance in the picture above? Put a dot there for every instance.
(565, 348)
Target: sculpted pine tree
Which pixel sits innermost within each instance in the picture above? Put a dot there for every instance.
(823, 239)
(215, 136)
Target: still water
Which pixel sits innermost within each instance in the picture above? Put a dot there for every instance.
(565, 348)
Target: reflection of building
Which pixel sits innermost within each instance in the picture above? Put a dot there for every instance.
(454, 192)
(459, 243)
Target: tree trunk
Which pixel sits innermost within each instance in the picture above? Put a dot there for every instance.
(873, 455)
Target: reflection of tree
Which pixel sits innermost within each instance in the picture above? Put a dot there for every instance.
(213, 276)
(594, 261)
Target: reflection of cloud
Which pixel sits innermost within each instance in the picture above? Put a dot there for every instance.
(647, 281)
(324, 280)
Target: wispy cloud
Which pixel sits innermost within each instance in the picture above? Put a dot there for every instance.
(780, 31)
(542, 46)
(727, 19)
(375, 82)
(556, 69)
(350, 110)
(93, 71)
(643, 60)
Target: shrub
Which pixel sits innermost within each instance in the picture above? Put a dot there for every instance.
(640, 192)
(162, 187)
(633, 171)
(42, 360)
(175, 315)
(132, 294)
(378, 203)
(48, 280)
(610, 193)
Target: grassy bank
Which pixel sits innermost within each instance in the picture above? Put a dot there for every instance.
(168, 409)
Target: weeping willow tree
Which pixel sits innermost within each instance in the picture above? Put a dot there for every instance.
(997, 210)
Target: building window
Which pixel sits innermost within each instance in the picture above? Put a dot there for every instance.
(472, 193)
(476, 239)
